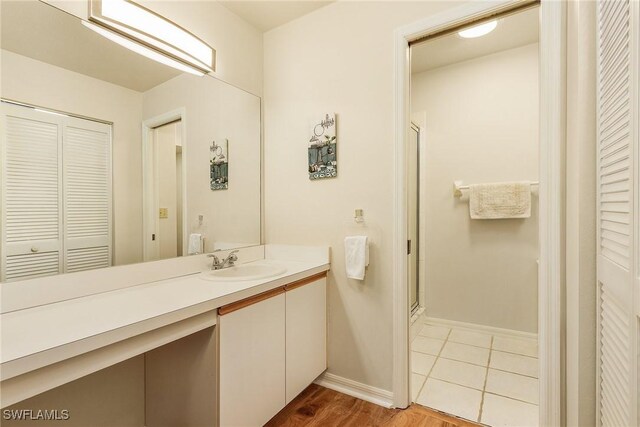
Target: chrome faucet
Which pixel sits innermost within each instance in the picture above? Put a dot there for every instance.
(227, 262)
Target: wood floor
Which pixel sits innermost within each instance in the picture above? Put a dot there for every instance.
(319, 406)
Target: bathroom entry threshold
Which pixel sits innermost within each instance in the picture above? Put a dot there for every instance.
(320, 406)
(463, 421)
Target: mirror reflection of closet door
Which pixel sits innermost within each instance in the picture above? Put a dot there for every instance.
(413, 189)
(31, 186)
(56, 193)
(86, 158)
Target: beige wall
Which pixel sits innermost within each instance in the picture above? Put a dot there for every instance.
(481, 126)
(37, 83)
(339, 59)
(216, 111)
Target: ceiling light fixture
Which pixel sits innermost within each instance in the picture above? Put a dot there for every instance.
(124, 20)
(478, 30)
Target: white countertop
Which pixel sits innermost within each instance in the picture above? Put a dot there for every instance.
(37, 336)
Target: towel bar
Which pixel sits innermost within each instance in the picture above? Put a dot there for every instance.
(458, 187)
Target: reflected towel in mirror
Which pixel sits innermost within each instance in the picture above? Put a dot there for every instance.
(195, 243)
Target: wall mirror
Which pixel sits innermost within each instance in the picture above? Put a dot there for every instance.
(109, 158)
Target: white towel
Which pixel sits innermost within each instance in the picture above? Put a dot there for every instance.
(195, 243)
(500, 200)
(355, 256)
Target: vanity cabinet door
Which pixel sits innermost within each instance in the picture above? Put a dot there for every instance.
(306, 334)
(252, 361)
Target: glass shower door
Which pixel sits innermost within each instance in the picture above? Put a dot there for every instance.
(413, 221)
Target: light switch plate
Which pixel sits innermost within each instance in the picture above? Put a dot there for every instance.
(164, 213)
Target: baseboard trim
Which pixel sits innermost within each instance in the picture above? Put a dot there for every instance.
(484, 328)
(353, 388)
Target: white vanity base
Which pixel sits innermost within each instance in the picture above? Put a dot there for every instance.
(50, 345)
(34, 382)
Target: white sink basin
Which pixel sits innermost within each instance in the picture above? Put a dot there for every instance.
(244, 272)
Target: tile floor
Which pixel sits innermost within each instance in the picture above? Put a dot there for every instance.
(491, 379)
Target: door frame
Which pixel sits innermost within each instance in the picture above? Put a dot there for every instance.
(551, 195)
(147, 200)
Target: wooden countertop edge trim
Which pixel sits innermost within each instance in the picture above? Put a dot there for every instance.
(230, 308)
(305, 281)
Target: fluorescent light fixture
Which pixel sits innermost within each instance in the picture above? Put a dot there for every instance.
(49, 112)
(144, 27)
(478, 30)
(140, 49)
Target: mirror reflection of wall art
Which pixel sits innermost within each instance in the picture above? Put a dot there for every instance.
(219, 161)
(323, 148)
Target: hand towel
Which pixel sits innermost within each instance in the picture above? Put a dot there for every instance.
(355, 254)
(500, 200)
(195, 243)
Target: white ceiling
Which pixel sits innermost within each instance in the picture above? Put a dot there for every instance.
(268, 14)
(512, 31)
(39, 31)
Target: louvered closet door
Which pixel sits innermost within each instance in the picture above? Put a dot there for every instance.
(31, 204)
(87, 194)
(618, 212)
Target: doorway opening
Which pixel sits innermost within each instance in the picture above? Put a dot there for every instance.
(164, 184)
(472, 209)
(167, 149)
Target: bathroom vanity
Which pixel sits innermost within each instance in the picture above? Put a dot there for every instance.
(213, 348)
(113, 182)
(272, 346)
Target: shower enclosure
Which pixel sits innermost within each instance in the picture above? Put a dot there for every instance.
(413, 221)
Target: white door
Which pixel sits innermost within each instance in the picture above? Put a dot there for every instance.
(31, 182)
(617, 171)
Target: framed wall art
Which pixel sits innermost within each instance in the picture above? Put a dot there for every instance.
(323, 148)
(219, 165)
